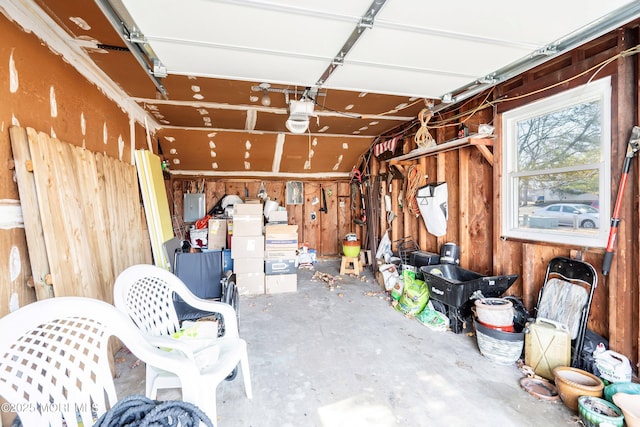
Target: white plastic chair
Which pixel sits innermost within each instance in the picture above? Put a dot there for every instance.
(145, 293)
(54, 360)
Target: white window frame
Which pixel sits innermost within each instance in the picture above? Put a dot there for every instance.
(599, 90)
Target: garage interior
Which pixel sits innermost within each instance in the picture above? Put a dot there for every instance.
(360, 103)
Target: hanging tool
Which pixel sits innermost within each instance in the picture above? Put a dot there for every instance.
(324, 202)
(357, 176)
(262, 192)
(389, 181)
(632, 150)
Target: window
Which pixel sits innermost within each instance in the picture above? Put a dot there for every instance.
(556, 168)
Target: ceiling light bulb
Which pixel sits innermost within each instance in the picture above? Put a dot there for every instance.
(297, 126)
(266, 99)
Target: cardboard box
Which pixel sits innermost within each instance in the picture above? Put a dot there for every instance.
(281, 237)
(248, 265)
(289, 244)
(247, 209)
(247, 225)
(274, 254)
(217, 234)
(250, 283)
(280, 229)
(247, 247)
(278, 217)
(279, 266)
(281, 283)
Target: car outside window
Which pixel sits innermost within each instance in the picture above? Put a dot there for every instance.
(556, 167)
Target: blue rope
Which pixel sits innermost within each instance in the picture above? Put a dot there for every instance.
(140, 411)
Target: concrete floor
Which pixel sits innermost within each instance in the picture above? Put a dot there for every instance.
(344, 357)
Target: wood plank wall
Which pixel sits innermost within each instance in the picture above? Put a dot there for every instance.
(90, 214)
(474, 182)
(470, 200)
(614, 312)
(322, 231)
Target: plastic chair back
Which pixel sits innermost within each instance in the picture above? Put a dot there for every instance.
(145, 293)
(566, 296)
(55, 361)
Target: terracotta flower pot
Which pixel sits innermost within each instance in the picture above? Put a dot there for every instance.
(573, 383)
(629, 404)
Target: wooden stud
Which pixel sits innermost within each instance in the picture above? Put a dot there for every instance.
(365, 257)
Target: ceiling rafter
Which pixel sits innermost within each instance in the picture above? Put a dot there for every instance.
(382, 62)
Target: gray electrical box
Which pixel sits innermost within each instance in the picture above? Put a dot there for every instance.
(194, 206)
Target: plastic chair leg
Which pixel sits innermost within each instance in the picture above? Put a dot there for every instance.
(246, 375)
(151, 388)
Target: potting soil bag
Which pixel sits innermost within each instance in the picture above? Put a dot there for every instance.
(398, 287)
(432, 202)
(433, 319)
(415, 294)
(389, 274)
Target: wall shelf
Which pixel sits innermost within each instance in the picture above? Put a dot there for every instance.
(477, 140)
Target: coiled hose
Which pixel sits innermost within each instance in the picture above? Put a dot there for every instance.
(140, 411)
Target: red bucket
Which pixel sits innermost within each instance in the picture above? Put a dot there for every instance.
(507, 328)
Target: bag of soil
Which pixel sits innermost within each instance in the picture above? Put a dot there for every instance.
(433, 319)
(415, 294)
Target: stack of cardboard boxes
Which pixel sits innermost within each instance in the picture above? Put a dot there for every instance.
(281, 243)
(263, 263)
(247, 248)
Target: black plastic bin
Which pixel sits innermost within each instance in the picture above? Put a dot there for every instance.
(453, 286)
(421, 258)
